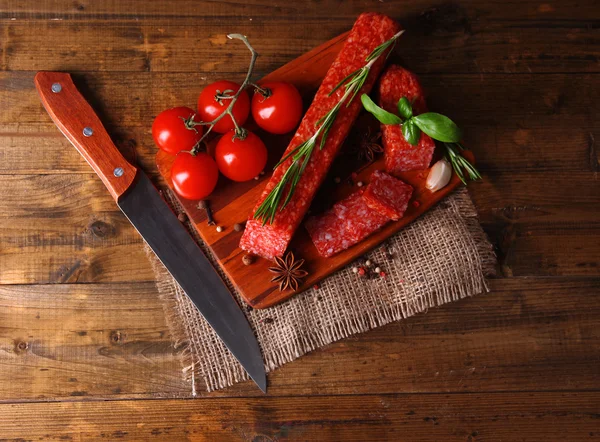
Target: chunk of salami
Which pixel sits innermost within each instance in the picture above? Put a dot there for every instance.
(400, 156)
(359, 219)
(387, 195)
(327, 234)
(345, 224)
(271, 239)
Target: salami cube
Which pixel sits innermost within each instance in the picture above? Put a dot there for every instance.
(271, 239)
(397, 82)
(327, 234)
(400, 156)
(359, 220)
(387, 195)
(270, 242)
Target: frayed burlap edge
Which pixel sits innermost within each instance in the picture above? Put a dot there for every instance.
(203, 358)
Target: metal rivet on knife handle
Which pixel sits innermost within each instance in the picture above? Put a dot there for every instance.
(118, 172)
(56, 88)
(88, 131)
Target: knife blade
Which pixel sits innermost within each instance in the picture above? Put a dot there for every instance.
(142, 204)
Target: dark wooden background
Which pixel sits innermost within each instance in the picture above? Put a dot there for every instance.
(84, 349)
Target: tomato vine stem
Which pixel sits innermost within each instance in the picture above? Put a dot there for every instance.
(264, 91)
(240, 132)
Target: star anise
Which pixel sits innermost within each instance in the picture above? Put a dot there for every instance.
(369, 146)
(288, 273)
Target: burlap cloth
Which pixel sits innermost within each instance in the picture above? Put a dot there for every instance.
(442, 257)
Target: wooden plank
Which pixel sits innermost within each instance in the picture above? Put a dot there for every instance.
(122, 101)
(544, 240)
(61, 228)
(465, 417)
(66, 228)
(55, 155)
(140, 10)
(447, 39)
(85, 340)
(504, 148)
(533, 188)
(110, 341)
(487, 101)
(527, 334)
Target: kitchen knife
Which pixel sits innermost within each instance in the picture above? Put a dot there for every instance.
(141, 203)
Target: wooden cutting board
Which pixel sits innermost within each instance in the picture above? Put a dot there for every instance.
(232, 202)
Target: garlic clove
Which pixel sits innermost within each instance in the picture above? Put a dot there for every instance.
(439, 176)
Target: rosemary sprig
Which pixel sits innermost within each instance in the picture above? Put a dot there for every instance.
(302, 153)
(383, 47)
(459, 162)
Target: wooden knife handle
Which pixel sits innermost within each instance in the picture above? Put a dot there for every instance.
(79, 123)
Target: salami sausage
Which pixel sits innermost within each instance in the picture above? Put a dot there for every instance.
(387, 195)
(271, 239)
(345, 224)
(400, 156)
(359, 220)
(327, 234)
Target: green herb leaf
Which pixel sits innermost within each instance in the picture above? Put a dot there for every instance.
(438, 127)
(405, 108)
(411, 132)
(383, 116)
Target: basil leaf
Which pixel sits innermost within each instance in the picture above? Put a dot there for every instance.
(438, 127)
(411, 132)
(405, 108)
(383, 116)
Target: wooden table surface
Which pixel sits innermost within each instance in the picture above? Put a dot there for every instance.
(85, 352)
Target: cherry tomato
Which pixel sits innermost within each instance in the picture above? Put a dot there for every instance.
(240, 160)
(169, 131)
(281, 111)
(210, 108)
(194, 176)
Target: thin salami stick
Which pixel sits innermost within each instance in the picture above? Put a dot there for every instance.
(271, 239)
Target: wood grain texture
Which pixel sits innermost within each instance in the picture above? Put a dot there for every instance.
(74, 341)
(470, 417)
(144, 11)
(528, 102)
(66, 341)
(62, 228)
(451, 37)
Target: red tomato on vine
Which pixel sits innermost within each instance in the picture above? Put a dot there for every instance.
(240, 160)
(194, 176)
(211, 105)
(279, 110)
(170, 132)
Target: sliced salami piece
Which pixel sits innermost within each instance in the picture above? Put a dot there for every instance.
(387, 195)
(359, 219)
(345, 224)
(327, 234)
(271, 239)
(400, 156)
